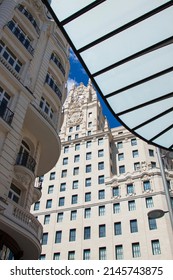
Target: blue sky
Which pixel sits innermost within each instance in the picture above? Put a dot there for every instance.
(77, 75)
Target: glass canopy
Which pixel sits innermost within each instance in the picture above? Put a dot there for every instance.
(126, 49)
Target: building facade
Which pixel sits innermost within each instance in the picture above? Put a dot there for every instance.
(95, 200)
(34, 68)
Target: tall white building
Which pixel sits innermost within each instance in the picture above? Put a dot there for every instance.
(95, 200)
(34, 69)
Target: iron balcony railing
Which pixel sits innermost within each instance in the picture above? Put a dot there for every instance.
(6, 114)
(53, 86)
(26, 160)
(20, 36)
(58, 63)
(30, 17)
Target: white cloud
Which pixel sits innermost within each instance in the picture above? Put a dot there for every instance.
(73, 56)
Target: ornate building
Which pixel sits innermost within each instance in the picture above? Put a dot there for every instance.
(34, 69)
(95, 200)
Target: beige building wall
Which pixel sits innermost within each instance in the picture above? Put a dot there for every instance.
(105, 180)
(34, 69)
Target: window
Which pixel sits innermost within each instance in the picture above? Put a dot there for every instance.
(46, 108)
(86, 254)
(77, 147)
(66, 149)
(52, 176)
(65, 161)
(102, 231)
(100, 141)
(42, 257)
(90, 114)
(146, 185)
(77, 127)
(122, 169)
(115, 191)
(88, 156)
(64, 173)
(49, 203)
(76, 158)
(88, 144)
(62, 187)
(46, 219)
(153, 164)
(50, 189)
(44, 238)
(89, 124)
(72, 235)
(117, 228)
(101, 194)
(149, 202)
(37, 205)
(120, 157)
(76, 171)
(101, 165)
(56, 256)
(130, 189)
(101, 179)
(155, 247)
(151, 153)
(60, 217)
(119, 145)
(73, 215)
(133, 142)
(102, 210)
(58, 236)
(116, 208)
(131, 205)
(14, 193)
(87, 233)
(137, 166)
(69, 138)
(75, 184)
(136, 250)
(76, 136)
(100, 153)
(41, 179)
(89, 132)
(70, 129)
(87, 197)
(102, 253)
(61, 201)
(71, 255)
(152, 223)
(74, 199)
(87, 213)
(87, 182)
(88, 168)
(133, 226)
(119, 252)
(135, 153)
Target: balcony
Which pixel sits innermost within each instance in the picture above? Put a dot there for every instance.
(6, 114)
(29, 17)
(20, 36)
(58, 63)
(53, 86)
(26, 161)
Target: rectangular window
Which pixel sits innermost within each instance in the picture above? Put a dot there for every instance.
(74, 199)
(88, 155)
(102, 253)
(71, 255)
(73, 215)
(60, 217)
(135, 153)
(122, 169)
(102, 231)
(120, 157)
(61, 201)
(87, 197)
(153, 164)
(65, 161)
(133, 226)
(48, 203)
(151, 153)
(76, 136)
(52, 176)
(133, 142)
(90, 114)
(14, 193)
(119, 145)
(87, 233)
(50, 189)
(72, 235)
(42, 257)
(37, 205)
(77, 147)
(115, 191)
(45, 238)
(87, 213)
(64, 173)
(119, 252)
(77, 127)
(117, 228)
(76, 158)
(88, 144)
(136, 250)
(75, 184)
(46, 219)
(87, 182)
(131, 205)
(116, 208)
(58, 236)
(70, 129)
(130, 189)
(101, 194)
(101, 179)
(149, 202)
(146, 185)
(66, 149)
(100, 153)
(152, 223)
(100, 141)
(137, 166)
(88, 168)
(76, 171)
(62, 187)
(56, 256)
(86, 254)
(102, 210)
(101, 165)
(155, 247)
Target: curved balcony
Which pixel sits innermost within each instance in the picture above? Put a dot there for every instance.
(53, 86)
(6, 114)
(58, 63)
(29, 16)
(26, 161)
(23, 227)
